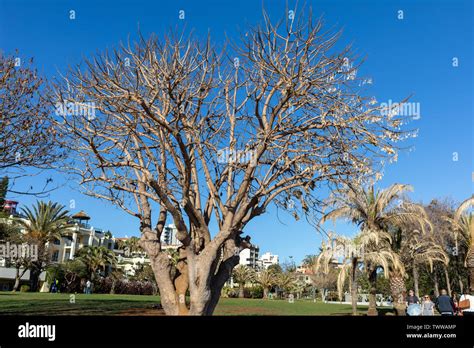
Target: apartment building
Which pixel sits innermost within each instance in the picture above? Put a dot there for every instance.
(249, 257)
(268, 259)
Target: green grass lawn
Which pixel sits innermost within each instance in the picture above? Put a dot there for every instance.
(99, 304)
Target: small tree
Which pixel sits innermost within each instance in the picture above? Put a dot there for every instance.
(42, 226)
(350, 263)
(242, 275)
(96, 259)
(267, 279)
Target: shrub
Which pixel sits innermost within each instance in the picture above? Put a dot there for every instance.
(229, 292)
(255, 291)
(332, 296)
(124, 287)
(24, 288)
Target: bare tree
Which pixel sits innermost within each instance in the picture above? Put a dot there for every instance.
(27, 137)
(210, 139)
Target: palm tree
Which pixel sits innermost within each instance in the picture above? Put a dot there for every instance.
(42, 225)
(285, 281)
(310, 261)
(374, 212)
(463, 229)
(96, 258)
(418, 248)
(267, 279)
(297, 287)
(243, 274)
(130, 245)
(349, 264)
(116, 275)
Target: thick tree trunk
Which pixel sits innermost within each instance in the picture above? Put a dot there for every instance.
(398, 290)
(169, 299)
(218, 281)
(181, 284)
(265, 292)
(372, 311)
(34, 279)
(200, 279)
(416, 280)
(203, 273)
(448, 281)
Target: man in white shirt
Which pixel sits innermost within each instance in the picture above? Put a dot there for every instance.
(468, 296)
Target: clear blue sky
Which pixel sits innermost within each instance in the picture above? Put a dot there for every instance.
(404, 57)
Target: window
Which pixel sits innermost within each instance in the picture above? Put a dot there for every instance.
(55, 256)
(57, 242)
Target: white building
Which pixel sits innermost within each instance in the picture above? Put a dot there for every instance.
(168, 237)
(267, 260)
(129, 264)
(249, 257)
(79, 235)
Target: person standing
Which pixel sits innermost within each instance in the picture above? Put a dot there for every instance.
(427, 306)
(445, 304)
(88, 287)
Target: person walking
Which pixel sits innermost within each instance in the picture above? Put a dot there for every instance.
(427, 306)
(445, 304)
(466, 303)
(413, 304)
(455, 299)
(412, 298)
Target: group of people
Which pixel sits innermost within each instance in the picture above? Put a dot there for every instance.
(446, 305)
(55, 286)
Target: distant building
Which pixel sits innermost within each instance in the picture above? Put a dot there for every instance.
(267, 260)
(304, 274)
(79, 235)
(304, 269)
(249, 257)
(168, 237)
(9, 207)
(130, 264)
